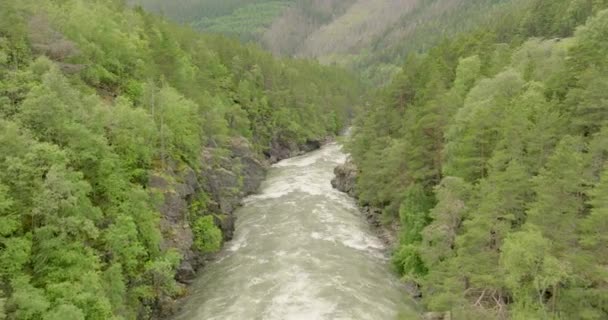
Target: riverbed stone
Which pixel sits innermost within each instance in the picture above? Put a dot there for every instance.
(345, 178)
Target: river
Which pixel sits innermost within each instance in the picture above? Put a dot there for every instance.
(302, 251)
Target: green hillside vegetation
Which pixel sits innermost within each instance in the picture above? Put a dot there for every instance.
(371, 37)
(94, 98)
(288, 33)
(248, 23)
(487, 148)
(419, 30)
(189, 11)
(490, 151)
(246, 20)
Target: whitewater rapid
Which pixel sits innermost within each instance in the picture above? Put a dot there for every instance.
(302, 251)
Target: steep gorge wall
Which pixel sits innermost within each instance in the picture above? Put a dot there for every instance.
(224, 178)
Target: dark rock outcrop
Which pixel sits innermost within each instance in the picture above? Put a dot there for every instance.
(346, 178)
(413, 289)
(253, 169)
(225, 176)
(281, 149)
(386, 232)
(176, 190)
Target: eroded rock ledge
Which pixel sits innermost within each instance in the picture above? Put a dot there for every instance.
(224, 176)
(345, 180)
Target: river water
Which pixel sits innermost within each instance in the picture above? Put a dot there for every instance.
(302, 251)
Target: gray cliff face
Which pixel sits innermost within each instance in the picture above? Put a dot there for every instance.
(176, 188)
(346, 178)
(281, 149)
(225, 176)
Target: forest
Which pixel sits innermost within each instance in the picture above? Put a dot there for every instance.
(246, 20)
(96, 99)
(490, 152)
(480, 132)
(371, 37)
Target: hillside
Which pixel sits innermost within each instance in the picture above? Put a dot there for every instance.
(372, 37)
(489, 152)
(478, 154)
(126, 144)
(244, 19)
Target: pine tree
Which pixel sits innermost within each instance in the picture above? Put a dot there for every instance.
(594, 241)
(560, 195)
(473, 135)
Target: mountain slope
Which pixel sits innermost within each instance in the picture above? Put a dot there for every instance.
(363, 22)
(489, 152)
(126, 143)
(372, 37)
(246, 20)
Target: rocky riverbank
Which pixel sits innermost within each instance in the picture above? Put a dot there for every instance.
(345, 180)
(221, 180)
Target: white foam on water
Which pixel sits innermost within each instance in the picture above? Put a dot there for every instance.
(302, 161)
(239, 242)
(254, 281)
(354, 236)
(287, 260)
(278, 188)
(351, 238)
(363, 242)
(280, 253)
(298, 300)
(320, 236)
(329, 152)
(312, 182)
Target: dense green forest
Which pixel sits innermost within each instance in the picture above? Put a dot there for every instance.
(371, 37)
(488, 148)
(95, 97)
(243, 19)
(490, 151)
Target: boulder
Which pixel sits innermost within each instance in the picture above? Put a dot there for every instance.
(345, 178)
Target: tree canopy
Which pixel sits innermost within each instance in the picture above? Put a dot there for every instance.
(95, 97)
(486, 151)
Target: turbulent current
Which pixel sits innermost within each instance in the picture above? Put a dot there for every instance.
(302, 251)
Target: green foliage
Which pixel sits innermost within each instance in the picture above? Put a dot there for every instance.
(207, 236)
(95, 98)
(248, 22)
(190, 10)
(530, 270)
(414, 217)
(509, 130)
(65, 312)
